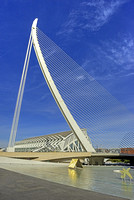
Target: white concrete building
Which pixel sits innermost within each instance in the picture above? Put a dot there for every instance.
(63, 141)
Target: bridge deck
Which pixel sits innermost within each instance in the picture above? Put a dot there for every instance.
(46, 156)
(60, 156)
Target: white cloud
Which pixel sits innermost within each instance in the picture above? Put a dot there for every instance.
(121, 52)
(90, 15)
(130, 74)
(113, 58)
(81, 77)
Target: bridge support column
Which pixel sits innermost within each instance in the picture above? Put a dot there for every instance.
(132, 161)
(96, 160)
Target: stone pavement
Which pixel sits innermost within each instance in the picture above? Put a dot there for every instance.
(15, 186)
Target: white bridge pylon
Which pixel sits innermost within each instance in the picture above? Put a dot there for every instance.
(60, 102)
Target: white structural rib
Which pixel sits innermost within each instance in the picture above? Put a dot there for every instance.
(19, 98)
(65, 111)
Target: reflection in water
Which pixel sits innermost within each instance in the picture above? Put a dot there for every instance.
(75, 175)
(72, 175)
(127, 188)
(81, 178)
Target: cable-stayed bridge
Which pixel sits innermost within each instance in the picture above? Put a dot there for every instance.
(83, 102)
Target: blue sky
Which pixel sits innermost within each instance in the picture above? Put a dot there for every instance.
(98, 35)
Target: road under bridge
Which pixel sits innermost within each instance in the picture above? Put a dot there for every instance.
(98, 158)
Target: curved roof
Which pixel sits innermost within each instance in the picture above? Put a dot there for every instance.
(62, 134)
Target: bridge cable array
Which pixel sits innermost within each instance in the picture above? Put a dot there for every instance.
(107, 121)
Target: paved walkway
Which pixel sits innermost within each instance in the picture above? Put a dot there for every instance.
(15, 186)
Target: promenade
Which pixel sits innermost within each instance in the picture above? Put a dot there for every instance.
(17, 186)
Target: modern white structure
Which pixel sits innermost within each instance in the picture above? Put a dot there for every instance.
(63, 141)
(81, 137)
(19, 98)
(87, 146)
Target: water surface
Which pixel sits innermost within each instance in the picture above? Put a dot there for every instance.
(96, 178)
